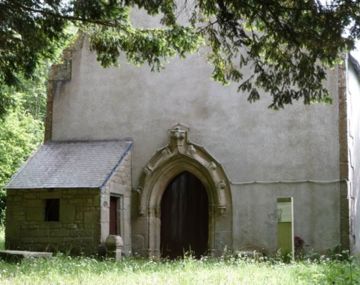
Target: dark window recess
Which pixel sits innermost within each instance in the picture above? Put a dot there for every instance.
(114, 227)
(52, 209)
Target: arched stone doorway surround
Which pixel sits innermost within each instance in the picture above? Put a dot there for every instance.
(178, 156)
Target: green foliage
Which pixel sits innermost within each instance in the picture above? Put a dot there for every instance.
(21, 129)
(19, 134)
(32, 31)
(151, 46)
(25, 39)
(285, 45)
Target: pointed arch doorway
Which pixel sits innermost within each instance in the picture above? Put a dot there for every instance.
(167, 165)
(184, 217)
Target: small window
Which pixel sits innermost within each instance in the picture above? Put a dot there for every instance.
(52, 209)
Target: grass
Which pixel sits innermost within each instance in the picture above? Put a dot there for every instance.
(63, 269)
(68, 270)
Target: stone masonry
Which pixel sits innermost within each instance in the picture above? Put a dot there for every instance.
(119, 185)
(77, 231)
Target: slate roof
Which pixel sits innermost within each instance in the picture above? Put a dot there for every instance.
(71, 165)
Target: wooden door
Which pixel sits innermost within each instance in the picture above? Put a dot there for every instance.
(114, 230)
(184, 217)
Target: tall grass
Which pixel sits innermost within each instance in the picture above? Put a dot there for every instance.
(67, 270)
(63, 269)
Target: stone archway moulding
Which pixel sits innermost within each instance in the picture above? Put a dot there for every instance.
(182, 150)
(178, 156)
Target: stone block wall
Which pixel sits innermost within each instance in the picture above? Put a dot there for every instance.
(78, 228)
(118, 185)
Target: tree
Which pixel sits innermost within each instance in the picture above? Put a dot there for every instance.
(21, 129)
(287, 44)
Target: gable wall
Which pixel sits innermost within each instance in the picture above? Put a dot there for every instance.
(252, 142)
(300, 143)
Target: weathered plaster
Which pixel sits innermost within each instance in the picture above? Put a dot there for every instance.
(58, 74)
(248, 139)
(316, 218)
(251, 142)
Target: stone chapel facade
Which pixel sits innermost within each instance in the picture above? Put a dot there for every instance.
(171, 157)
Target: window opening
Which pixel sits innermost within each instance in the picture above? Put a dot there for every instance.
(52, 210)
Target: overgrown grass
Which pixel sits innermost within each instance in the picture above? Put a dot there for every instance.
(68, 270)
(63, 269)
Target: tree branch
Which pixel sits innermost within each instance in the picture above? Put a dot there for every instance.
(15, 7)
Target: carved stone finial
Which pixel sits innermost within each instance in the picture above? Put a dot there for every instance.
(178, 133)
(212, 165)
(221, 185)
(148, 170)
(191, 150)
(166, 151)
(178, 137)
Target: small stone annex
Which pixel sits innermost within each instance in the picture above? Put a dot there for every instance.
(173, 162)
(60, 200)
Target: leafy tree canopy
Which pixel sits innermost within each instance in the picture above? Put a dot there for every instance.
(21, 128)
(286, 44)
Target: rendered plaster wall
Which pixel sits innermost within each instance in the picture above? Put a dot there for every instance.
(119, 185)
(316, 215)
(78, 228)
(353, 98)
(252, 142)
